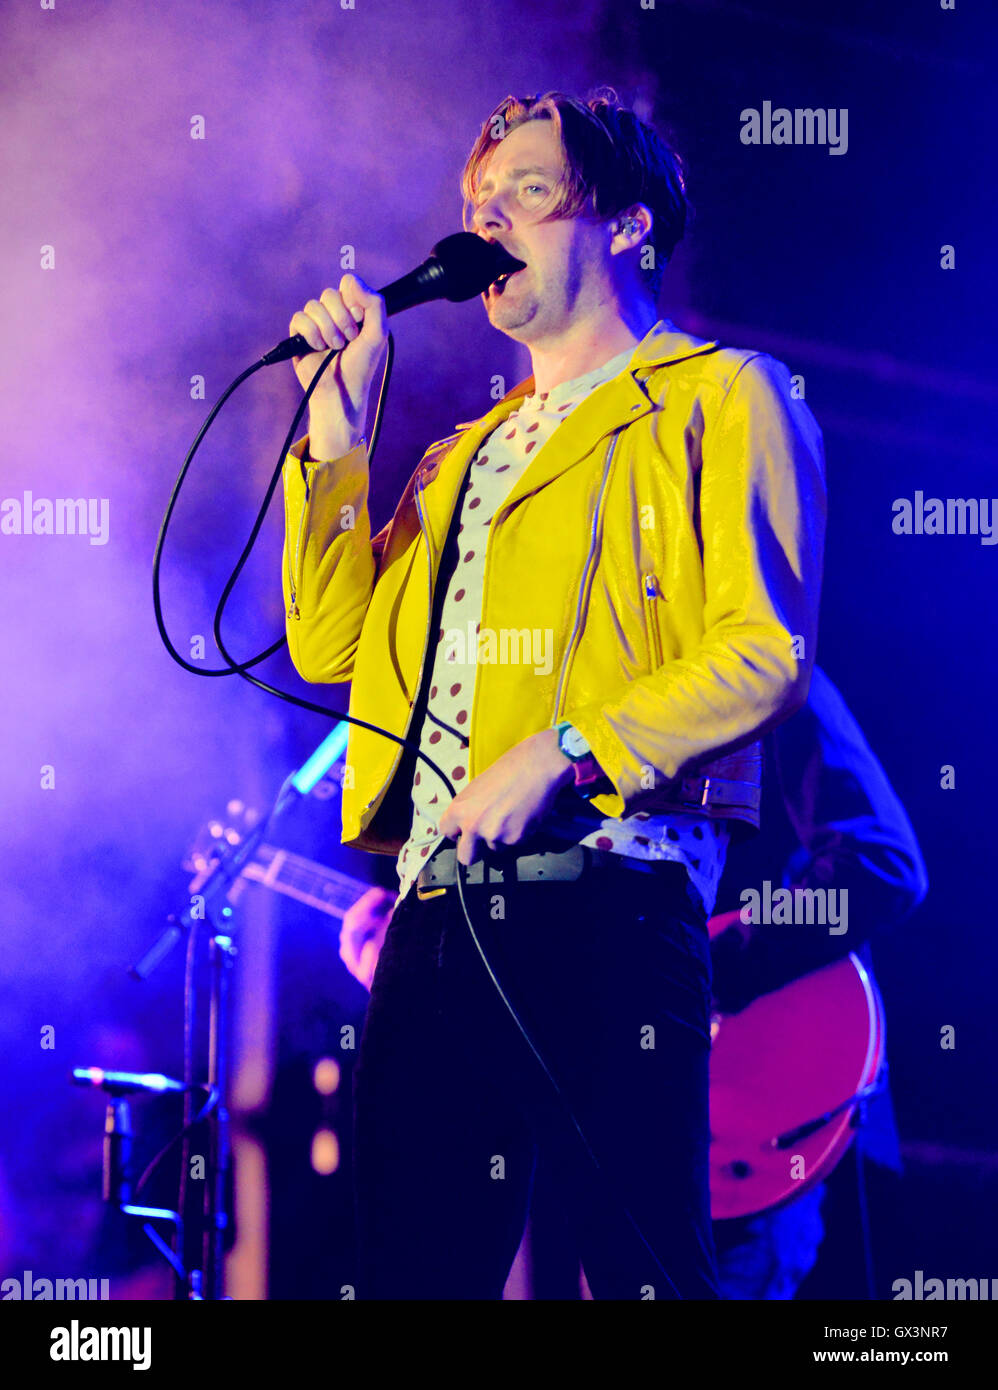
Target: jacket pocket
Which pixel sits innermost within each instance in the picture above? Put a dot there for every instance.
(651, 597)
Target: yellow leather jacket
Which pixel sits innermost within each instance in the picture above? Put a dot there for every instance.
(670, 535)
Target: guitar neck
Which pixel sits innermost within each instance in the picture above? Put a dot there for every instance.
(296, 877)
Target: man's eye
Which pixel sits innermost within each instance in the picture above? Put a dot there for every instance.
(531, 186)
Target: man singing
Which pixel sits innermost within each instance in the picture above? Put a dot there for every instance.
(588, 607)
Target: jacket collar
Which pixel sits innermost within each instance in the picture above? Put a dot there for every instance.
(607, 408)
(663, 343)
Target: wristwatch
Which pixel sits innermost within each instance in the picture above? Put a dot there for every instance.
(590, 778)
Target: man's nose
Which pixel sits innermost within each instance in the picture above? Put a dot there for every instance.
(489, 215)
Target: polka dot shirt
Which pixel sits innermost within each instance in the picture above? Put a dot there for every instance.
(698, 842)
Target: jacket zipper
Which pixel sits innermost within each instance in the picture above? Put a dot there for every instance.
(586, 575)
(306, 506)
(426, 642)
(429, 606)
(650, 592)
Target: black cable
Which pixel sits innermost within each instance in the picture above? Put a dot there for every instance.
(157, 1159)
(863, 1205)
(242, 669)
(235, 668)
(610, 1187)
(161, 538)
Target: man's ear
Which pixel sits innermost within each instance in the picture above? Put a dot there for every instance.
(630, 228)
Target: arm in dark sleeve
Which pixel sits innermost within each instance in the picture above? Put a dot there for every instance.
(855, 838)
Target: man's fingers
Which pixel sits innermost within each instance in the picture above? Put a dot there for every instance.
(449, 821)
(334, 308)
(467, 847)
(365, 305)
(305, 325)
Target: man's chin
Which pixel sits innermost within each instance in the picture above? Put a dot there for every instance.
(511, 317)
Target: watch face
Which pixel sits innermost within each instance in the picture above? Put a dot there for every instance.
(573, 744)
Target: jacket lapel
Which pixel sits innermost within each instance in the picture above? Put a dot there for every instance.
(609, 407)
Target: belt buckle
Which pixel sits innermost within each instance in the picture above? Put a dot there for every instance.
(432, 890)
(700, 791)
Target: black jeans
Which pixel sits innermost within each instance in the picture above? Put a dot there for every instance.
(610, 976)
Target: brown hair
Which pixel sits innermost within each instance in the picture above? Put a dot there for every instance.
(613, 161)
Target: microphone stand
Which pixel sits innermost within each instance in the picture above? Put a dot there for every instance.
(207, 1280)
(215, 887)
(222, 953)
(116, 1171)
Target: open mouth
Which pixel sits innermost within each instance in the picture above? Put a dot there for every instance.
(499, 285)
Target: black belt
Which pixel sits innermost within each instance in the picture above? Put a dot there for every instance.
(551, 866)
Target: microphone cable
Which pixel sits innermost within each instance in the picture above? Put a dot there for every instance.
(233, 667)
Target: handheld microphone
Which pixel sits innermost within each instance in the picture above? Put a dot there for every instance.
(458, 268)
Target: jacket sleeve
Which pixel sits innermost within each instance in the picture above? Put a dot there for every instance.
(330, 561)
(761, 522)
